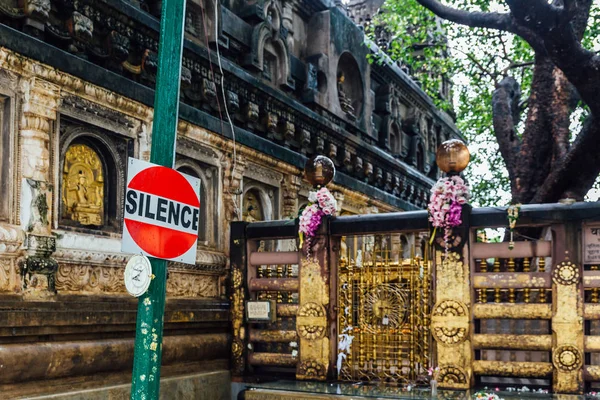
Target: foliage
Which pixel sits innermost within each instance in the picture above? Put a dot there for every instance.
(475, 60)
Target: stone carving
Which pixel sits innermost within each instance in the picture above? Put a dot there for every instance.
(233, 102)
(452, 375)
(345, 101)
(38, 268)
(566, 273)
(290, 186)
(251, 112)
(231, 187)
(87, 278)
(181, 284)
(11, 239)
(83, 186)
(37, 8)
(308, 369)
(36, 217)
(70, 256)
(308, 331)
(449, 308)
(81, 27)
(118, 46)
(209, 90)
(253, 208)
(567, 358)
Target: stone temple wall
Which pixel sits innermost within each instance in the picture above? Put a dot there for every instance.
(76, 94)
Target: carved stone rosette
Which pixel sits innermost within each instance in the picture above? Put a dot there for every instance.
(452, 376)
(566, 273)
(451, 320)
(567, 358)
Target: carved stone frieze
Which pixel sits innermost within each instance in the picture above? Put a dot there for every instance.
(290, 187)
(11, 239)
(65, 255)
(186, 284)
(89, 278)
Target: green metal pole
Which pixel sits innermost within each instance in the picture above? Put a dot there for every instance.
(145, 382)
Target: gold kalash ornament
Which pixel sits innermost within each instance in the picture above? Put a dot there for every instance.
(452, 156)
(319, 171)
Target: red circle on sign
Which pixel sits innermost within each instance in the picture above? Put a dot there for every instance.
(159, 241)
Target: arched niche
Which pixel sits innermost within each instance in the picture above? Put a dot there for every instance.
(92, 175)
(350, 88)
(395, 140)
(269, 54)
(256, 205)
(206, 232)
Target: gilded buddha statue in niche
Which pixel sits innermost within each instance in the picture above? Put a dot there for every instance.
(345, 101)
(83, 186)
(252, 208)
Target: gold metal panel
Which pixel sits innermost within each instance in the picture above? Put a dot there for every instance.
(384, 304)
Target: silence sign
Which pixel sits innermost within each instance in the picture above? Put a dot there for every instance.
(162, 212)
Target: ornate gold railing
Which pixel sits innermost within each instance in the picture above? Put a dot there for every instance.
(481, 312)
(384, 305)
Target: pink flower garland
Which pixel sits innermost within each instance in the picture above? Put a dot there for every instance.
(321, 203)
(445, 205)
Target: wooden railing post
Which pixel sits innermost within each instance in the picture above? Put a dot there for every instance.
(567, 311)
(451, 322)
(312, 317)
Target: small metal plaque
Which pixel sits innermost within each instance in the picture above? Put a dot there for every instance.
(591, 243)
(261, 311)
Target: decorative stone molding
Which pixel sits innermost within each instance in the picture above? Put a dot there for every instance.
(567, 358)
(311, 321)
(11, 239)
(566, 273)
(70, 84)
(446, 313)
(290, 188)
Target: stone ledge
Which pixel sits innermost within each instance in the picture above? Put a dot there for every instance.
(202, 386)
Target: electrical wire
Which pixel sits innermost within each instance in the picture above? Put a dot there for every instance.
(222, 84)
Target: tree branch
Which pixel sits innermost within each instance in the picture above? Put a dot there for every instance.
(499, 21)
(578, 169)
(505, 109)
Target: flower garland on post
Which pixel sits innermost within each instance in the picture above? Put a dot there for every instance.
(448, 196)
(321, 203)
(450, 193)
(319, 171)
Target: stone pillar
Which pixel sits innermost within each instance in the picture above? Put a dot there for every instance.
(451, 322)
(286, 19)
(40, 107)
(567, 311)
(312, 321)
(232, 190)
